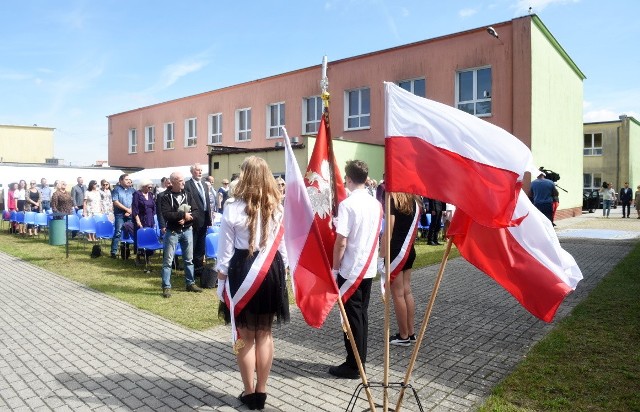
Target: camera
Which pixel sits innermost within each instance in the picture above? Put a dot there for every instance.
(550, 174)
(605, 185)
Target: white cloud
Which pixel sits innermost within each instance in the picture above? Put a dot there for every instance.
(467, 12)
(404, 12)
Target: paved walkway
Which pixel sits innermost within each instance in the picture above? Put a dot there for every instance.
(65, 347)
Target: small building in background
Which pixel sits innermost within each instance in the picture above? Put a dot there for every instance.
(25, 144)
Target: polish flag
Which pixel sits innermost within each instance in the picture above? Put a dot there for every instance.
(443, 153)
(314, 288)
(526, 260)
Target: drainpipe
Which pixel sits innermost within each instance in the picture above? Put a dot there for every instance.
(622, 119)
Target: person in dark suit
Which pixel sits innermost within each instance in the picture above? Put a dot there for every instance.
(626, 196)
(435, 208)
(198, 189)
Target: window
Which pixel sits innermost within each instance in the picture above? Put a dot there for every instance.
(473, 91)
(275, 119)
(149, 138)
(133, 141)
(592, 144)
(312, 114)
(190, 137)
(415, 86)
(169, 136)
(358, 109)
(591, 180)
(243, 124)
(215, 128)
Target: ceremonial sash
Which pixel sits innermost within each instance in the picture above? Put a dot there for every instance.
(253, 280)
(398, 262)
(362, 265)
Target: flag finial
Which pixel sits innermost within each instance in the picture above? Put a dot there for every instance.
(324, 83)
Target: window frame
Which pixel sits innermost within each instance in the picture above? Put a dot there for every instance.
(475, 100)
(191, 141)
(305, 120)
(149, 138)
(592, 150)
(360, 115)
(215, 138)
(165, 141)
(593, 177)
(133, 141)
(281, 116)
(412, 82)
(247, 120)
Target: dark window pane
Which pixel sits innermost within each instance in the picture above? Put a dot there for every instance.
(405, 85)
(483, 108)
(465, 86)
(353, 103)
(466, 107)
(587, 140)
(364, 95)
(419, 88)
(597, 140)
(484, 84)
(353, 123)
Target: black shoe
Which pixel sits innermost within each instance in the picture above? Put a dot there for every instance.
(398, 341)
(430, 243)
(412, 338)
(259, 399)
(113, 256)
(248, 400)
(344, 371)
(436, 243)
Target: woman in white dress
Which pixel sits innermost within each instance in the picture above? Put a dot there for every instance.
(92, 205)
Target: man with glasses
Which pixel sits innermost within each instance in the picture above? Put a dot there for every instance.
(122, 197)
(198, 190)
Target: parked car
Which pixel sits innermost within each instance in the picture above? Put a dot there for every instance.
(591, 200)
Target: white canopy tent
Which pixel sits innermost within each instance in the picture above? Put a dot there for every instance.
(158, 173)
(15, 173)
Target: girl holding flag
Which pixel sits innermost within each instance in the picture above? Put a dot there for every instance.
(251, 274)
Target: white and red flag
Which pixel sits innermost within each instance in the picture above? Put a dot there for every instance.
(443, 153)
(308, 232)
(527, 260)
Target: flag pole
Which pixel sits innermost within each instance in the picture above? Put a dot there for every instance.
(324, 86)
(425, 322)
(386, 298)
(363, 376)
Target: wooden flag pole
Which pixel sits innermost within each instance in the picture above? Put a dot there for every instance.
(363, 376)
(425, 322)
(387, 299)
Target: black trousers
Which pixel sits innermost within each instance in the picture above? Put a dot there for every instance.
(357, 309)
(199, 240)
(626, 205)
(434, 227)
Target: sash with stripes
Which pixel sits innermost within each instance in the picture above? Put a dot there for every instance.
(398, 262)
(352, 283)
(252, 282)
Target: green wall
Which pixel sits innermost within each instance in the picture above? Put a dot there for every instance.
(344, 150)
(556, 115)
(634, 153)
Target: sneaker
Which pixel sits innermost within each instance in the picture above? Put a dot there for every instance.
(398, 341)
(412, 338)
(344, 371)
(193, 288)
(166, 292)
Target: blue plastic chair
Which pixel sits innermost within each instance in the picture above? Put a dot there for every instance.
(211, 246)
(98, 217)
(148, 240)
(87, 226)
(43, 223)
(6, 217)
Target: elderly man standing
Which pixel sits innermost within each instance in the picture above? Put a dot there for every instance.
(178, 208)
(198, 190)
(45, 195)
(122, 197)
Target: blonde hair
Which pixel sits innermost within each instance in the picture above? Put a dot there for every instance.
(404, 202)
(258, 189)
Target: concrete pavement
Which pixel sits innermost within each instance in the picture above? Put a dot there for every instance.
(65, 347)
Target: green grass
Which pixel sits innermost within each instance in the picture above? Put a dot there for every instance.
(590, 361)
(124, 281)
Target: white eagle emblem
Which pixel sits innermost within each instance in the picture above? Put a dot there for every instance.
(319, 190)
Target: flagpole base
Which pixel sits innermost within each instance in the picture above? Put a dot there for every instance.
(397, 386)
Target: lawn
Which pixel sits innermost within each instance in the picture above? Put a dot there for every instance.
(590, 361)
(124, 281)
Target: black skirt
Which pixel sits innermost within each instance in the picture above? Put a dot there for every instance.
(395, 251)
(271, 300)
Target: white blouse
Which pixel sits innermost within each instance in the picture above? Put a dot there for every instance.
(234, 234)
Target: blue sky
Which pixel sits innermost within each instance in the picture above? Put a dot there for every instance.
(69, 64)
